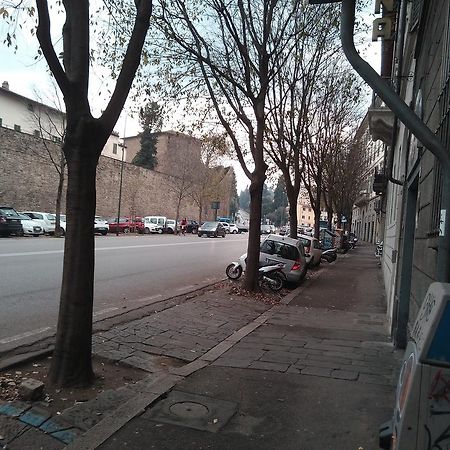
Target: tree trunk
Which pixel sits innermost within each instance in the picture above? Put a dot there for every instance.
(71, 364)
(292, 196)
(254, 232)
(330, 218)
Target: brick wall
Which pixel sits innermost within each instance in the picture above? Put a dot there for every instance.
(28, 180)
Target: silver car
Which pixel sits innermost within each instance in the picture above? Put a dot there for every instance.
(313, 249)
(290, 252)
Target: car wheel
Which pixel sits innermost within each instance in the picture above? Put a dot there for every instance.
(160, 231)
(104, 233)
(35, 235)
(126, 230)
(199, 235)
(146, 230)
(235, 232)
(224, 234)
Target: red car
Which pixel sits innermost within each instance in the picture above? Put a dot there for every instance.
(126, 225)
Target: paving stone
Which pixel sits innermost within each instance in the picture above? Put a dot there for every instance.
(376, 379)
(367, 369)
(150, 349)
(184, 354)
(9, 429)
(228, 362)
(86, 415)
(35, 416)
(246, 354)
(272, 366)
(280, 357)
(318, 363)
(34, 439)
(317, 371)
(327, 357)
(67, 436)
(55, 423)
(14, 408)
(304, 351)
(146, 364)
(344, 375)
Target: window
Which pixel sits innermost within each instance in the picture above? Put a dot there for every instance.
(115, 149)
(56, 139)
(17, 127)
(30, 107)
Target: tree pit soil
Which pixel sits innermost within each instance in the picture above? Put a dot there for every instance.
(108, 375)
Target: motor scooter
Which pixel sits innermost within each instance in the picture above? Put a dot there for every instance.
(271, 276)
(329, 255)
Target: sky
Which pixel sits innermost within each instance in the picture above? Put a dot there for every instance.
(27, 76)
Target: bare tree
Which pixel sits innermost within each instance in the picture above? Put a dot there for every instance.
(84, 140)
(293, 95)
(181, 183)
(51, 125)
(208, 181)
(229, 52)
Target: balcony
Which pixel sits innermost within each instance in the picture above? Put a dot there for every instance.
(380, 182)
(381, 124)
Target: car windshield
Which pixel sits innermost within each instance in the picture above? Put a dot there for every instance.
(209, 225)
(24, 217)
(305, 242)
(62, 218)
(9, 212)
(280, 249)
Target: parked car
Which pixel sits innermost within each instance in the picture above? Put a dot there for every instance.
(30, 227)
(62, 223)
(101, 225)
(154, 224)
(313, 249)
(125, 225)
(46, 220)
(170, 226)
(290, 252)
(211, 229)
(192, 226)
(266, 229)
(9, 222)
(233, 228)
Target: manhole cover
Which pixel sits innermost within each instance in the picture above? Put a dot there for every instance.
(189, 410)
(192, 410)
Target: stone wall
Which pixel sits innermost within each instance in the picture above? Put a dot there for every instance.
(28, 180)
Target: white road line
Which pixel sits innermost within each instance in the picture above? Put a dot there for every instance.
(18, 337)
(185, 288)
(103, 311)
(132, 247)
(146, 299)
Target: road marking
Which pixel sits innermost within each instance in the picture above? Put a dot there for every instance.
(185, 287)
(132, 247)
(146, 299)
(103, 311)
(24, 335)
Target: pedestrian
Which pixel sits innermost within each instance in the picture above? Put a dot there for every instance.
(183, 225)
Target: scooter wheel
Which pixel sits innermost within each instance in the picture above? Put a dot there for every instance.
(233, 272)
(276, 283)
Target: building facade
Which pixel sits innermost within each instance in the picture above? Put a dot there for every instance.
(367, 214)
(415, 240)
(28, 116)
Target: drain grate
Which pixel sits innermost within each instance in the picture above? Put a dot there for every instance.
(192, 411)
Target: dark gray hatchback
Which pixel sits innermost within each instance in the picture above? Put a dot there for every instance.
(10, 222)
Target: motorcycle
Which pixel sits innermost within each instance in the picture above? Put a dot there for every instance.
(271, 276)
(329, 255)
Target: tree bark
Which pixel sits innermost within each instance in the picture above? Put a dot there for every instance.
(254, 232)
(71, 364)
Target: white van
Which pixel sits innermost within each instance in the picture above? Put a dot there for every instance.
(154, 224)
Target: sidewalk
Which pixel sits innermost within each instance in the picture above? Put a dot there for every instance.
(314, 372)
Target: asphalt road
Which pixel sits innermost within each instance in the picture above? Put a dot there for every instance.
(130, 270)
